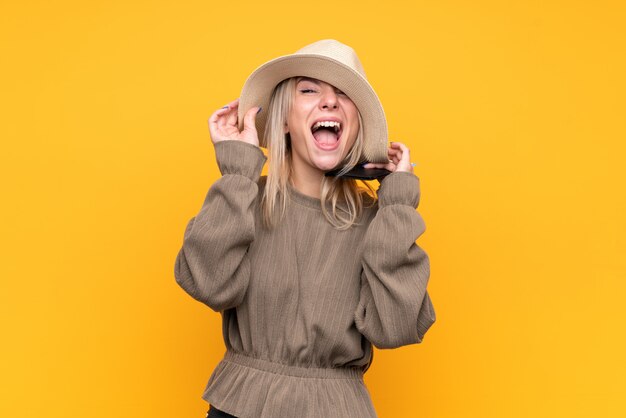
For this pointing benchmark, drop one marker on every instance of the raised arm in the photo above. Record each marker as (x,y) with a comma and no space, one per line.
(213,265)
(394,307)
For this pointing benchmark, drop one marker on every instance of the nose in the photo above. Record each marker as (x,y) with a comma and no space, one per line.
(329,99)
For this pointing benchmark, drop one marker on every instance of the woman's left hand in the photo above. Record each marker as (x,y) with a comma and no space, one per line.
(399,159)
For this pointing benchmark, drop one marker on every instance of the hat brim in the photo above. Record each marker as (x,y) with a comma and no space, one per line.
(260,84)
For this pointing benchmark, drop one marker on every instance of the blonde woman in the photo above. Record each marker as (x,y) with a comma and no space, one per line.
(309,266)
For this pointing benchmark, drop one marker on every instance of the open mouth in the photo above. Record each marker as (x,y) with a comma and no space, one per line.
(327,133)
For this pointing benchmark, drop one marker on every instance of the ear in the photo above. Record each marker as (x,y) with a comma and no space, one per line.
(286,128)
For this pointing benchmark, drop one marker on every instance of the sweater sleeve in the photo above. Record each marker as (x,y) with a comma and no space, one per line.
(394,307)
(213,266)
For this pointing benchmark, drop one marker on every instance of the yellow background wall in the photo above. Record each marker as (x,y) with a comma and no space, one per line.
(513,111)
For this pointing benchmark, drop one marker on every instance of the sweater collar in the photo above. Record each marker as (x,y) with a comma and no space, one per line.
(309,201)
(306,200)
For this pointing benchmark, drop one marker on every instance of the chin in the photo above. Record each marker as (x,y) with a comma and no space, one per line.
(326,164)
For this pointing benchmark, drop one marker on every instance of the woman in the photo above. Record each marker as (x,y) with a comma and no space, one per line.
(307,269)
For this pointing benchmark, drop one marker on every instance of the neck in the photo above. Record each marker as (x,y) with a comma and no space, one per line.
(307,179)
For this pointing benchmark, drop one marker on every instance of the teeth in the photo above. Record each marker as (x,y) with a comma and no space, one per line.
(327,124)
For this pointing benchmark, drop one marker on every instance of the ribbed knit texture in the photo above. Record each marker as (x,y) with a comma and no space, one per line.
(302,304)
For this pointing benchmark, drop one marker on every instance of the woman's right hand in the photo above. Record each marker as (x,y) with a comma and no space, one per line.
(223,124)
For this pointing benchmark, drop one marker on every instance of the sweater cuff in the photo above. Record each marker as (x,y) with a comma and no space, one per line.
(239,157)
(399,187)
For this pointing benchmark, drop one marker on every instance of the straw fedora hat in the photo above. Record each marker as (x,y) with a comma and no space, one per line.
(334,63)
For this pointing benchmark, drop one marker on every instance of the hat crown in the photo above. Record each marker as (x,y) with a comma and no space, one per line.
(330,61)
(335,50)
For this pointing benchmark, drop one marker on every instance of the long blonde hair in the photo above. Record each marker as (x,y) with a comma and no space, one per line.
(274,201)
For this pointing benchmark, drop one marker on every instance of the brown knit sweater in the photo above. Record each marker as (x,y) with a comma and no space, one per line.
(302,304)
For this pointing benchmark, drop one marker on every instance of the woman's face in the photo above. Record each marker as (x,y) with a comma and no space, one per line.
(321,149)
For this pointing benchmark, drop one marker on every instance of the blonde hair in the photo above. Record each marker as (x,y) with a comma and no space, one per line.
(274,201)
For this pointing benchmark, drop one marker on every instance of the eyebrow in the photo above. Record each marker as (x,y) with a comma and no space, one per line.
(312,80)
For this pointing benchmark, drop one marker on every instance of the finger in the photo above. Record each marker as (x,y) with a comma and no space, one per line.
(213,120)
(227,107)
(389,166)
(370,165)
(231,118)
(225,117)
(394,150)
(395,155)
(399,146)
(405,153)
(250,117)
(215,115)
(234,103)
(224,111)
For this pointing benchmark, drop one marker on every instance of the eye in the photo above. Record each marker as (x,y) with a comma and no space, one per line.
(307,90)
